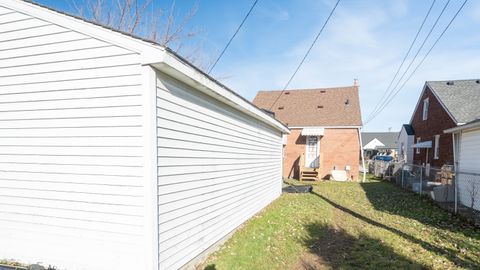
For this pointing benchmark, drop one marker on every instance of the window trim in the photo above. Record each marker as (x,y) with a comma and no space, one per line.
(417,151)
(436,151)
(426,105)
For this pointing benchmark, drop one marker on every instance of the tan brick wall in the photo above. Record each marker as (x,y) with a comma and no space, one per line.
(292,151)
(338,147)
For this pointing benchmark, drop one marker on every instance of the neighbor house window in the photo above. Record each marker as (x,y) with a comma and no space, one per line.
(425,109)
(437,147)
(418,149)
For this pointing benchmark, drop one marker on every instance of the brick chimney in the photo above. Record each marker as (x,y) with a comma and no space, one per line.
(355,82)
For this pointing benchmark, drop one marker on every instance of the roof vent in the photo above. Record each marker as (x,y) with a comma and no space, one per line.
(477,81)
(450,83)
(319,106)
(323,91)
(281,108)
(287,93)
(347,101)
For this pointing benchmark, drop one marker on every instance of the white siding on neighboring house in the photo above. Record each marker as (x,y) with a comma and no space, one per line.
(71,154)
(406,141)
(469,162)
(216,168)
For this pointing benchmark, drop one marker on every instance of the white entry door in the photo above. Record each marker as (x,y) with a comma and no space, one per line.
(312,152)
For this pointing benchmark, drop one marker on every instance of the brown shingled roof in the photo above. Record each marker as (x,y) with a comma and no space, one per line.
(339,106)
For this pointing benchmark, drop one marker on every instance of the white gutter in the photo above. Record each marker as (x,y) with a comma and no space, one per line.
(473,125)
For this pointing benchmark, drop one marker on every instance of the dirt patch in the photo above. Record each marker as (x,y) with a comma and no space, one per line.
(329,251)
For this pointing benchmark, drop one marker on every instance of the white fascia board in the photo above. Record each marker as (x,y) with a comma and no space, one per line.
(186,73)
(299,127)
(86,28)
(400,132)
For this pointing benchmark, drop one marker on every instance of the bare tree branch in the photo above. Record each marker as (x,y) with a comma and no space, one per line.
(134,17)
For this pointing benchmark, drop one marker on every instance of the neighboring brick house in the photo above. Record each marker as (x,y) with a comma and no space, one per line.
(442,105)
(324,125)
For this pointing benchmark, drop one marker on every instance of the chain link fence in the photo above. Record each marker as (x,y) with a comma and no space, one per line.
(458,192)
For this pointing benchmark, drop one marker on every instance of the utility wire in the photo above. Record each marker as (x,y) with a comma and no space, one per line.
(413,60)
(404,59)
(421,62)
(306,54)
(235,34)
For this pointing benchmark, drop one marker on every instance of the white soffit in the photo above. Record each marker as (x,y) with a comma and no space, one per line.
(313,131)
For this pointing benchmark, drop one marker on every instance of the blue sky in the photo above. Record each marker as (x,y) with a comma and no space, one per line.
(365,39)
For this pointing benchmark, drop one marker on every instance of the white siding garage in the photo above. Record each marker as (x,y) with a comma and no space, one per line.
(469,168)
(213,161)
(467,162)
(469,151)
(117,154)
(71,176)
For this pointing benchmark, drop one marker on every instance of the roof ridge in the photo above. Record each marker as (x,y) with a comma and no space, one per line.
(457,80)
(311,89)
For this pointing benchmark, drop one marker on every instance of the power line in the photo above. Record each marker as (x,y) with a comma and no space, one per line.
(306,54)
(404,59)
(421,62)
(235,34)
(413,59)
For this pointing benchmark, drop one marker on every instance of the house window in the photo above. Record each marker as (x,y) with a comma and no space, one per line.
(418,149)
(425,109)
(437,147)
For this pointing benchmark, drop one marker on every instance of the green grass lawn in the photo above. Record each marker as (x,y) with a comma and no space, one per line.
(373,225)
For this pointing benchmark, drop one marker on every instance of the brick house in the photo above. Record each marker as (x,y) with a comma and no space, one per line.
(442,105)
(325,125)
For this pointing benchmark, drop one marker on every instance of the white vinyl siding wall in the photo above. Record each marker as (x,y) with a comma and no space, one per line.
(71,157)
(216,168)
(468,162)
(408,141)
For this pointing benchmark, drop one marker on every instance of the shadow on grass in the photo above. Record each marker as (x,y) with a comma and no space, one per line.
(391,199)
(334,248)
(394,200)
(210,267)
(448,253)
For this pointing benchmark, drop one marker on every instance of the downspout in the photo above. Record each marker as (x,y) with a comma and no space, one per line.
(361,153)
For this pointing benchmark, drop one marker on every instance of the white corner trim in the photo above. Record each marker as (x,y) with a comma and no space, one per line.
(149,96)
(178,69)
